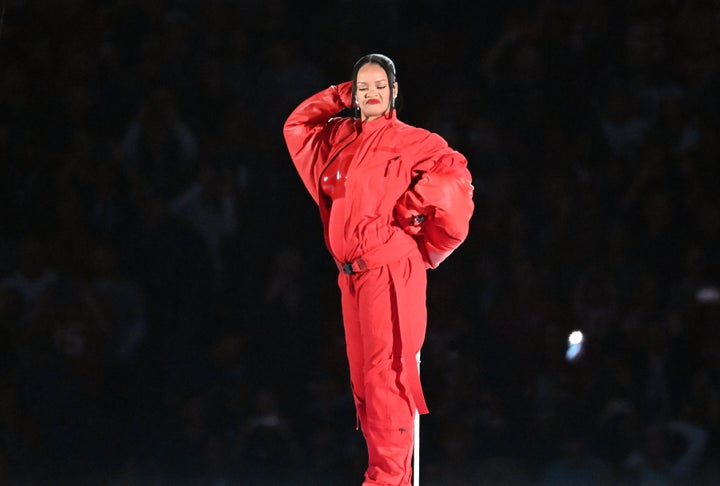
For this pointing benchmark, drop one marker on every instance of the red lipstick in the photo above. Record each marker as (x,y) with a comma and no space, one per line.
(372,102)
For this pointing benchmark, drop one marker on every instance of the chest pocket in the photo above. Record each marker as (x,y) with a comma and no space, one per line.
(389,169)
(392,168)
(388,159)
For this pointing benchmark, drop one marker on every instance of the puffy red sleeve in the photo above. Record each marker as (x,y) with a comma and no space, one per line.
(437,208)
(311,130)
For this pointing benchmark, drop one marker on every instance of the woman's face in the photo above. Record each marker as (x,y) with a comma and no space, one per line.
(372,93)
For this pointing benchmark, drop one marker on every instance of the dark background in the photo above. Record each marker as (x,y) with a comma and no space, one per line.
(168,311)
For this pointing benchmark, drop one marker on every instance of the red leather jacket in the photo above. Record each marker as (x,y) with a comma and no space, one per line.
(398,172)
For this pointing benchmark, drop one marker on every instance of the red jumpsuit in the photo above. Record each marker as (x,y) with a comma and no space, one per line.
(371,181)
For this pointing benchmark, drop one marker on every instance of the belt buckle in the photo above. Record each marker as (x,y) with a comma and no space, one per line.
(347,268)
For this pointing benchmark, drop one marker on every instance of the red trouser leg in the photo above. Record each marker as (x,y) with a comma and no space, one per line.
(384,314)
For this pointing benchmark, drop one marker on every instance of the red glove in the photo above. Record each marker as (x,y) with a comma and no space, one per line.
(344,91)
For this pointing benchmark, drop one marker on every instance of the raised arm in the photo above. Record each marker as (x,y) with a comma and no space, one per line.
(310,131)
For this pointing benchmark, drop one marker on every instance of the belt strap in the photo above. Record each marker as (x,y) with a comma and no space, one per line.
(398,247)
(356,266)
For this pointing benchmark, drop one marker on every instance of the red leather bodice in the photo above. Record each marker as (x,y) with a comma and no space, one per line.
(333,179)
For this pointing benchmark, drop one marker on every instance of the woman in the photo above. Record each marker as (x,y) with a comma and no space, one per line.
(394,200)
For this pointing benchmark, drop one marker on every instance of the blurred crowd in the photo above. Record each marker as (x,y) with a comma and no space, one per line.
(168,311)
